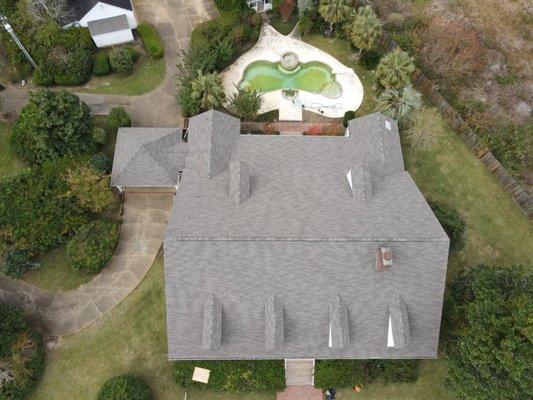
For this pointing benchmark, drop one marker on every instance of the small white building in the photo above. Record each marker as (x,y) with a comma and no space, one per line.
(260,5)
(109,21)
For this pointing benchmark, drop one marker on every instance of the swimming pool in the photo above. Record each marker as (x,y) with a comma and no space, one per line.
(314,77)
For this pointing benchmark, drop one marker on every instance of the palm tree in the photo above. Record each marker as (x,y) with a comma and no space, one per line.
(207,90)
(335,11)
(395,69)
(365,29)
(399,104)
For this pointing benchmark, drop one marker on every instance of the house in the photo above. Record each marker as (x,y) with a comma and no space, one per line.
(283,247)
(110,22)
(260,5)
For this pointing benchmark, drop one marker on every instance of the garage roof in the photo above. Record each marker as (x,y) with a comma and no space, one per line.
(108,25)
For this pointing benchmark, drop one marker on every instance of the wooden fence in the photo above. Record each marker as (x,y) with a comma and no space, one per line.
(518,192)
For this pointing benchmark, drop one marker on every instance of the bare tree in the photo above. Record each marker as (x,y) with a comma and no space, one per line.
(43,9)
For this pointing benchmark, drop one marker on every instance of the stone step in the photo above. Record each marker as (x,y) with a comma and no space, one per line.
(299,372)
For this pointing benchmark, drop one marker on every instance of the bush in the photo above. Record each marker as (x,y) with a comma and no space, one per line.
(245,104)
(394,69)
(73,68)
(17,262)
(349,373)
(122,59)
(427,124)
(399,104)
(53,124)
(35,214)
(234,376)
(231,5)
(43,77)
(348,116)
(100,162)
(88,187)
(151,39)
(369,59)
(118,118)
(11,325)
(452,224)
(489,312)
(92,246)
(22,355)
(99,135)
(101,64)
(125,387)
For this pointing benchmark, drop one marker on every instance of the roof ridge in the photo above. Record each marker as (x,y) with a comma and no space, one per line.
(307,239)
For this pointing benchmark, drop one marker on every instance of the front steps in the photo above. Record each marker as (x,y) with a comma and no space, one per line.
(299,372)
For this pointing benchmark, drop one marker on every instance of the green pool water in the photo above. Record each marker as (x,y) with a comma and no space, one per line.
(314,77)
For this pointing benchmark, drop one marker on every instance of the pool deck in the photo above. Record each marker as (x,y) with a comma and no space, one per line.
(270,46)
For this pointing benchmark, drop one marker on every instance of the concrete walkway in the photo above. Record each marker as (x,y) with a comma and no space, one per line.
(174,20)
(141,234)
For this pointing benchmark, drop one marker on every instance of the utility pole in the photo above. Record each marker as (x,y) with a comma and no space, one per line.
(9,29)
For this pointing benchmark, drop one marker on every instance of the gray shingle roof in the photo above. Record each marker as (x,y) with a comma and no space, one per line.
(108,25)
(296,259)
(147,157)
(80,8)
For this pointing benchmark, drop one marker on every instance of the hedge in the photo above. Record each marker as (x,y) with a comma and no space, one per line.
(234,376)
(118,118)
(93,245)
(125,387)
(101,64)
(151,39)
(349,373)
(122,59)
(452,224)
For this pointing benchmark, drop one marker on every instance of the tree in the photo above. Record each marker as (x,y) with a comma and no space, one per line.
(335,11)
(207,90)
(17,262)
(286,9)
(365,29)
(40,10)
(399,104)
(54,124)
(89,187)
(11,324)
(395,69)
(245,103)
(491,351)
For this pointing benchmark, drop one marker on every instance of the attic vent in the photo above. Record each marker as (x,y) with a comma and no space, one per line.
(384,259)
(388,125)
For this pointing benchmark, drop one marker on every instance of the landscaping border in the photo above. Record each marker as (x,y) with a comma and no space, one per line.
(518,192)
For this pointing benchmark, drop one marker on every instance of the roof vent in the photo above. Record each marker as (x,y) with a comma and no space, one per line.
(212,323)
(384,259)
(239,182)
(388,125)
(399,333)
(360,183)
(273,324)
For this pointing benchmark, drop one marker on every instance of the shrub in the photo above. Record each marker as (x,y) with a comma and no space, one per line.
(89,187)
(21,355)
(73,68)
(489,310)
(369,59)
(17,262)
(53,124)
(151,40)
(348,116)
(99,135)
(100,162)
(92,246)
(207,91)
(125,387)
(11,325)
(394,69)
(349,373)
(452,224)
(43,76)
(35,214)
(245,103)
(426,126)
(122,59)
(101,64)
(230,5)
(234,376)
(286,8)
(118,118)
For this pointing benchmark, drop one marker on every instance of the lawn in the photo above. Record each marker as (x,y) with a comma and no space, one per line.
(342,51)
(131,338)
(282,27)
(9,163)
(147,76)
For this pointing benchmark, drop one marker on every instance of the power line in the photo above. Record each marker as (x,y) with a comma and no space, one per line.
(9,29)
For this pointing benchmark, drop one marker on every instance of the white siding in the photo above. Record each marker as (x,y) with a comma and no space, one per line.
(113,38)
(102,10)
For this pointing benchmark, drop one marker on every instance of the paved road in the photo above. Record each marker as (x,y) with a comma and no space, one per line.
(174,20)
(141,234)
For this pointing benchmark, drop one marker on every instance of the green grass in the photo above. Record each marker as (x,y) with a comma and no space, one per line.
(147,76)
(55,273)
(9,163)
(131,338)
(342,51)
(282,27)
